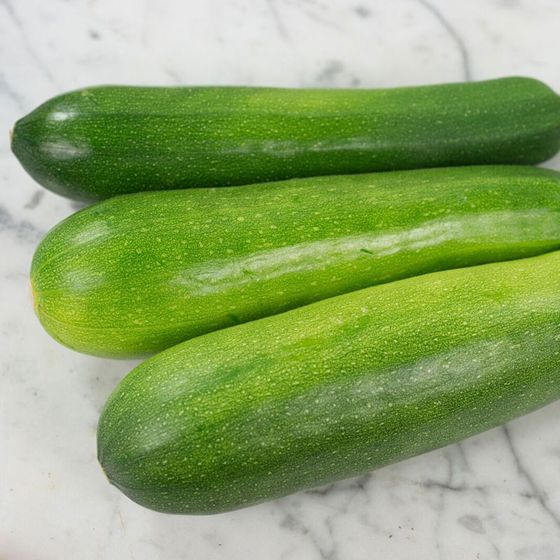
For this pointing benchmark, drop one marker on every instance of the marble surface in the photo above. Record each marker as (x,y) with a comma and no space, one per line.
(496,495)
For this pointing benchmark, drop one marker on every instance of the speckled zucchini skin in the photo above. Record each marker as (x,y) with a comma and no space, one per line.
(139,273)
(103,141)
(336,388)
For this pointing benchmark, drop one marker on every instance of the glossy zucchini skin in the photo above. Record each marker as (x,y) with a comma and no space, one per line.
(139,273)
(336,388)
(107,140)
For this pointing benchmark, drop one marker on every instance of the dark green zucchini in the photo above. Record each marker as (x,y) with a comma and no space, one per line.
(139,273)
(336,388)
(102,141)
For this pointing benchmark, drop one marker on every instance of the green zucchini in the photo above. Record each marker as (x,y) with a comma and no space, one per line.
(139,273)
(102,141)
(336,388)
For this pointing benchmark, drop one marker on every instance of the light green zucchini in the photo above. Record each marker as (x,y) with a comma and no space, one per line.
(139,273)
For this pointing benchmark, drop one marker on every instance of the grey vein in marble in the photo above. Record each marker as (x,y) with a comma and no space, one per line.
(453,34)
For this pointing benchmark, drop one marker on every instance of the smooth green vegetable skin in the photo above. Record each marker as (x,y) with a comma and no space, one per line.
(336,388)
(102,141)
(140,273)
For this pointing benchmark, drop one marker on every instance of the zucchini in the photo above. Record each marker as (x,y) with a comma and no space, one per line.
(336,388)
(102,141)
(139,273)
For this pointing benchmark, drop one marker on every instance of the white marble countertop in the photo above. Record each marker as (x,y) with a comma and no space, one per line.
(496,495)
